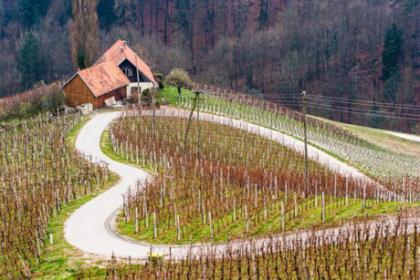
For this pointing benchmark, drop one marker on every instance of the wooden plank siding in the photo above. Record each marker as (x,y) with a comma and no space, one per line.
(77,93)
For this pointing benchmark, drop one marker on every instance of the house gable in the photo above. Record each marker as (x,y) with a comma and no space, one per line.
(130,71)
(120,52)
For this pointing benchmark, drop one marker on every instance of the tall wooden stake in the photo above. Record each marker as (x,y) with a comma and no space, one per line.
(153,93)
(138,80)
(197,94)
(306,143)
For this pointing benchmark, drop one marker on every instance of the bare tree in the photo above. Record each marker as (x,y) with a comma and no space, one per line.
(84,33)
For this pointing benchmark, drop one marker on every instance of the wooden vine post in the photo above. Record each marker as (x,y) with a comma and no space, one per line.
(196,100)
(306,184)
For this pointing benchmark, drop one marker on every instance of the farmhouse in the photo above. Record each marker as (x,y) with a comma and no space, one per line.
(116,74)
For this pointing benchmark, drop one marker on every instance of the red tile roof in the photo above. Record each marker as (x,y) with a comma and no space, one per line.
(103,78)
(120,52)
(106,76)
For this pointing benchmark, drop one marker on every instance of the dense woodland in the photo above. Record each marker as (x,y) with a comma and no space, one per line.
(359,60)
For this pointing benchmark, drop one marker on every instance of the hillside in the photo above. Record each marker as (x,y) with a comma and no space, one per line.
(236,177)
(360,50)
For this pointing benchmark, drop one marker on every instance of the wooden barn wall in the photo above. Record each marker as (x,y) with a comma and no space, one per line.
(77,93)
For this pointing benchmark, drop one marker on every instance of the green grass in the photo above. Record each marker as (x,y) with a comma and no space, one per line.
(170,94)
(379,137)
(307,219)
(74,132)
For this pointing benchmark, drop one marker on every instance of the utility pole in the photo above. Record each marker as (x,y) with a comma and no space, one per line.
(306,184)
(197,96)
(153,94)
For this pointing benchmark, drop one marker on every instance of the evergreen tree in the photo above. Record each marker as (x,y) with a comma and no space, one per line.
(30,63)
(183,16)
(392,52)
(31,12)
(106,13)
(263,18)
(390,60)
(28,12)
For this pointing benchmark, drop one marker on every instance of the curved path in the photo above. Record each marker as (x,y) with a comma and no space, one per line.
(89,227)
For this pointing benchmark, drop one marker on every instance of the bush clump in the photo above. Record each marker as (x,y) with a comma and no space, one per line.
(179,78)
(42,98)
(147,97)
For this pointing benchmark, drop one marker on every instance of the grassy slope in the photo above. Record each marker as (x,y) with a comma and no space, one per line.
(60,260)
(234,230)
(379,137)
(229,230)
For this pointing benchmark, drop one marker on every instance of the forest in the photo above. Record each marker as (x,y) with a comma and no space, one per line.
(359,60)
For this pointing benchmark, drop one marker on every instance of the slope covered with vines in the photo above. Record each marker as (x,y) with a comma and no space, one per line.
(39,173)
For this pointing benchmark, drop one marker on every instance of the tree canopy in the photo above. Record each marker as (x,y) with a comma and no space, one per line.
(31,65)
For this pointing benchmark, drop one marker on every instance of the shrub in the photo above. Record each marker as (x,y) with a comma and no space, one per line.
(42,98)
(147,96)
(133,98)
(179,77)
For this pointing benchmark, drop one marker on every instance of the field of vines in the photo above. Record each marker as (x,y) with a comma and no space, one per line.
(39,173)
(222,183)
(383,255)
(397,170)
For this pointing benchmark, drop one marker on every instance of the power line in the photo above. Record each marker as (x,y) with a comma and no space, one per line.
(364,113)
(363,102)
(350,110)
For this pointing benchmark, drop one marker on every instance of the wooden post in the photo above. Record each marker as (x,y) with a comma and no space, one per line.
(347,191)
(306,183)
(154,226)
(138,80)
(197,94)
(178,230)
(211,227)
(282,216)
(323,207)
(136,227)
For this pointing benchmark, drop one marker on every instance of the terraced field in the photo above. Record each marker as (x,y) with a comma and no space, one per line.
(392,167)
(228,184)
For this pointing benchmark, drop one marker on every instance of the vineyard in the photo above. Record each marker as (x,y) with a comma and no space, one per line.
(39,174)
(213,184)
(385,256)
(390,167)
(221,184)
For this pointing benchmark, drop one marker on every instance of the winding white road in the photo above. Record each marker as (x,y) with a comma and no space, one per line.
(89,227)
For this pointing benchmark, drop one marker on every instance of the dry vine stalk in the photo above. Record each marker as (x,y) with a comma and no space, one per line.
(39,174)
(239,179)
(389,167)
(383,256)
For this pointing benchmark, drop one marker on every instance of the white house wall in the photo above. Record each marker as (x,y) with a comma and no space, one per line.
(143,87)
